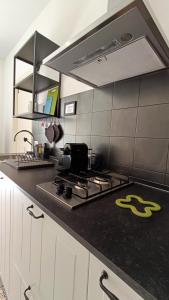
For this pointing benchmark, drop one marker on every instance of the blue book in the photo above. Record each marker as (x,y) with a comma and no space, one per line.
(48,105)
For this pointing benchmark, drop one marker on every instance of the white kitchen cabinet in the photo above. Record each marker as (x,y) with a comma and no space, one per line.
(6,187)
(7,196)
(112,283)
(49,240)
(2,225)
(45,257)
(26,236)
(37,220)
(26,291)
(15,291)
(71,268)
(16,244)
(26,244)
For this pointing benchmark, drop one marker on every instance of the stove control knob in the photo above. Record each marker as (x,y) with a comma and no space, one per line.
(60,189)
(68,193)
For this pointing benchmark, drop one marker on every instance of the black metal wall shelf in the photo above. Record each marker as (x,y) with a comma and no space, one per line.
(33,52)
(32,116)
(42,83)
(39,44)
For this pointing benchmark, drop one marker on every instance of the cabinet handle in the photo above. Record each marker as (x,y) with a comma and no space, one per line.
(103,276)
(28,289)
(32,214)
(1,177)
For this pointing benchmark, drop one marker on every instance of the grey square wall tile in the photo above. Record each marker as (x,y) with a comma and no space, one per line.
(148,175)
(100,146)
(70,125)
(153,121)
(103,99)
(66,100)
(100,143)
(41,138)
(42,125)
(123,122)
(168,162)
(60,144)
(62,122)
(121,169)
(85,102)
(121,151)
(166,181)
(35,127)
(83,139)
(84,124)
(151,154)
(126,93)
(69,139)
(154,88)
(101,123)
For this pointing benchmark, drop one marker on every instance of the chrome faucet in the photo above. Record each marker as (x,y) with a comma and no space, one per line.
(25,139)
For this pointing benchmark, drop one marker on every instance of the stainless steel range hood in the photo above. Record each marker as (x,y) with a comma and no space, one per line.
(116,47)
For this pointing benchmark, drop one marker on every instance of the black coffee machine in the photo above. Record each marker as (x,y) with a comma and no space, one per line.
(74,157)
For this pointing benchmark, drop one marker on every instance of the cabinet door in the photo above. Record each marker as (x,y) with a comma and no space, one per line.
(49,239)
(15,290)
(26,236)
(5,231)
(2,231)
(113,283)
(7,197)
(29,238)
(26,291)
(17,226)
(37,220)
(16,238)
(71,268)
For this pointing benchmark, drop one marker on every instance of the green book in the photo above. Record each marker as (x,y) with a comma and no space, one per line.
(54,94)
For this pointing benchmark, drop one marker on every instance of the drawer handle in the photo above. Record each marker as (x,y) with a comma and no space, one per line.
(28,289)
(32,214)
(1,177)
(103,276)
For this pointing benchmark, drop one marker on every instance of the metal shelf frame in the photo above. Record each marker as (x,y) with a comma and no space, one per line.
(33,52)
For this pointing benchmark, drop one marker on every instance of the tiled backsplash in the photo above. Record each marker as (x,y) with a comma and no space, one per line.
(126,124)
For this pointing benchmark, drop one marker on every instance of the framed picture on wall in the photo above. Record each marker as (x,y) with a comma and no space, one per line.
(70,108)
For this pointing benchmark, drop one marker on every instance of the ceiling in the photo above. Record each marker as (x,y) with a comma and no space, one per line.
(15,18)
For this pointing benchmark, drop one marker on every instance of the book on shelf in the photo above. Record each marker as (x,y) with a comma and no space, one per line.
(54,94)
(48,105)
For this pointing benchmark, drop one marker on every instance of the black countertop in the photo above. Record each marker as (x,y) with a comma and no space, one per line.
(134,248)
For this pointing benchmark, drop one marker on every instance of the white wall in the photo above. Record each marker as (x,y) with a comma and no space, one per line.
(1,101)
(59,21)
(159,11)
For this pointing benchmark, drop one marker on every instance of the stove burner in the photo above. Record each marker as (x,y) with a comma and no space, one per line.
(100,180)
(83,184)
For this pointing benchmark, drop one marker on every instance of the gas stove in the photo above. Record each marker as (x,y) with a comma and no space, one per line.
(73,190)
